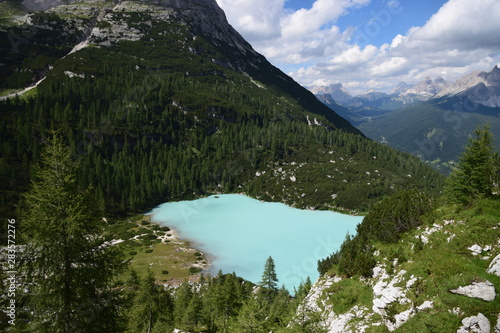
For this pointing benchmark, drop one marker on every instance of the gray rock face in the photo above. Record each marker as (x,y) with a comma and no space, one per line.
(480,87)
(475,324)
(481,290)
(205,16)
(208,18)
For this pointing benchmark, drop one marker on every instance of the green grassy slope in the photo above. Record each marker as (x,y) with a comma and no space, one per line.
(421,269)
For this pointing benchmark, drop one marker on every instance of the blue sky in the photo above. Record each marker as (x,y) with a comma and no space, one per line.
(382,22)
(376,18)
(370,44)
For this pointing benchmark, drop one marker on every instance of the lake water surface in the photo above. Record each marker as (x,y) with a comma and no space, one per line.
(240,233)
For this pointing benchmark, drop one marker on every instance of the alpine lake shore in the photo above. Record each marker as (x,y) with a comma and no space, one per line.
(171,259)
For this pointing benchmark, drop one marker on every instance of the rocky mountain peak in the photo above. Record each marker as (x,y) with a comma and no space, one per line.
(336,90)
(480,87)
(203,16)
(400,88)
(209,18)
(427,87)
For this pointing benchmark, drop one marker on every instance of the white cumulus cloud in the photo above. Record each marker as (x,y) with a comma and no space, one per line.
(462,25)
(389,67)
(463,35)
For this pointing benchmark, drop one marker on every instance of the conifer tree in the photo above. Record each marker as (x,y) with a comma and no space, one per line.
(193,314)
(152,306)
(303,288)
(183,297)
(477,171)
(252,315)
(269,278)
(69,267)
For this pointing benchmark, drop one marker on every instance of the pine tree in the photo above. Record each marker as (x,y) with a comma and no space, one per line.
(269,278)
(192,315)
(281,311)
(477,171)
(252,315)
(151,306)
(68,266)
(303,288)
(183,297)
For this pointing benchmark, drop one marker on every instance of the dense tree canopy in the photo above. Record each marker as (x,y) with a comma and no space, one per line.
(386,222)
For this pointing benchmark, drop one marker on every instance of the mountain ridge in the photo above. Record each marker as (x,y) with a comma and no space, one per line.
(480,87)
(433,128)
(207,19)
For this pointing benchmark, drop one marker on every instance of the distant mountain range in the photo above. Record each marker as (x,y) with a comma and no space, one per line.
(432,119)
(480,87)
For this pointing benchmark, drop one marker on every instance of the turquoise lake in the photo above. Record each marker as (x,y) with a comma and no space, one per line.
(239,233)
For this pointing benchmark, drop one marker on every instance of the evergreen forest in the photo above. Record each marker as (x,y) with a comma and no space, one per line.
(166,104)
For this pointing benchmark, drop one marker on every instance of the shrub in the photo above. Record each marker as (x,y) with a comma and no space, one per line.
(194,270)
(132,253)
(164,272)
(149,250)
(165,228)
(356,257)
(149,237)
(136,218)
(125,235)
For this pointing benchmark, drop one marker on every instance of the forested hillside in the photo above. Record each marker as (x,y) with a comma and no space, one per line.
(141,102)
(435,130)
(177,110)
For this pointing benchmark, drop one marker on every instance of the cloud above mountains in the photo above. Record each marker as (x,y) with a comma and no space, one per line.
(463,35)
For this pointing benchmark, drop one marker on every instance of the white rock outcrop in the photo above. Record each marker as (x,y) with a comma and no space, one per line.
(475,249)
(494,267)
(385,292)
(482,290)
(475,324)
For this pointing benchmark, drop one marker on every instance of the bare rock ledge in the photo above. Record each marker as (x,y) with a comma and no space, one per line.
(482,290)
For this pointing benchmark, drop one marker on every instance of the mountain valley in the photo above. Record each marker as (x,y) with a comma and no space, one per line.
(432,119)
(109,108)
